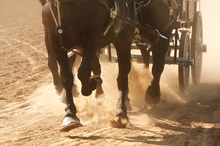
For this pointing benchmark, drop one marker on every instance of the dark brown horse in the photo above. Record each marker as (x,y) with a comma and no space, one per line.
(161,15)
(88,26)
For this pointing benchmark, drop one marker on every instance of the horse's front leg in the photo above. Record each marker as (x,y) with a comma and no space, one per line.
(152,95)
(74,88)
(84,72)
(52,64)
(123,52)
(70,120)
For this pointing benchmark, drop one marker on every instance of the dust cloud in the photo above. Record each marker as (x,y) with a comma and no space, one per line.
(211,31)
(209,88)
(31,112)
(90,111)
(210,79)
(140,77)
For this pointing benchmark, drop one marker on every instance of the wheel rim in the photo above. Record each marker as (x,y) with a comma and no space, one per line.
(185,52)
(197,40)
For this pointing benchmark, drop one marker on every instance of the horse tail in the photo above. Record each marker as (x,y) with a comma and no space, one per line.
(43,2)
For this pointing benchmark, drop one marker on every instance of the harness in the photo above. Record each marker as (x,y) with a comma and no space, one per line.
(113,15)
(130,22)
(171,4)
(59,29)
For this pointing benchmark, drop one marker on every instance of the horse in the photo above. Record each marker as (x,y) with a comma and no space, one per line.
(87,26)
(160,15)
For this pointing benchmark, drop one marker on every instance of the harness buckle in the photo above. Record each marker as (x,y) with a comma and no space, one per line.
(113,14)
(171,11)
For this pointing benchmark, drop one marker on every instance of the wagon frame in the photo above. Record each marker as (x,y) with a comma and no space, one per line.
(186,44)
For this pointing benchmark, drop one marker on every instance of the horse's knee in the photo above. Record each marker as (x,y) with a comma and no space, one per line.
(67,81)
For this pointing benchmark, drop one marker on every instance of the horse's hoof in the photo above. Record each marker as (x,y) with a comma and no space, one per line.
(128,105)
(70,123)
(119,122)
(86,91)
(151,98)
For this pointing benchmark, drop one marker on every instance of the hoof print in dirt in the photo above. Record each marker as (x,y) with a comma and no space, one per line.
(152,97)
(70,123)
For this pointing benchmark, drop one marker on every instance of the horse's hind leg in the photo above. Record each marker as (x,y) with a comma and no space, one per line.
(159,51)
(52,64)
(96,69)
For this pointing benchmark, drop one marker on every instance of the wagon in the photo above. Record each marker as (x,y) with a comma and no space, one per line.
(186,44)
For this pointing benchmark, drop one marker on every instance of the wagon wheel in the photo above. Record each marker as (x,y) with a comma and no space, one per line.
(184,69)
(197,40)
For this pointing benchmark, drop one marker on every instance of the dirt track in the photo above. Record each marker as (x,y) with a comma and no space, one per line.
(31,112)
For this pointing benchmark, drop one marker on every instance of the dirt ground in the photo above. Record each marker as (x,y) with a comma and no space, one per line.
(31,113)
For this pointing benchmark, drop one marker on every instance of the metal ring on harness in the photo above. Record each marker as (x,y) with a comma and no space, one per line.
(59,30)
